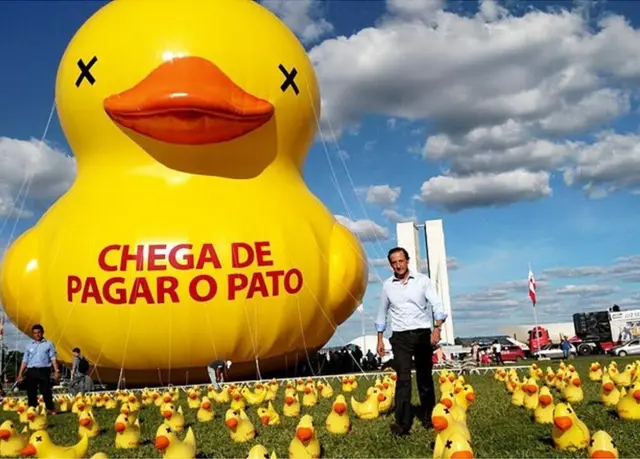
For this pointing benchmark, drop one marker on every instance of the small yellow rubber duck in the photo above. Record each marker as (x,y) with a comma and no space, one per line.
(168,442)
(205,412)
(338,421)
(37,418)
(240,427)
(305,444)
(449,401)
(573,392)
(193,400)
(173,417)
(628,407)
(530,389)
(456,447)
(370,408)
(127,432)
(543,413)
(260,452)
(268,416)
(11,441)
(291,406)
(445,426)
(602,446)
(88,425)
(569,433)
(609,393)
(595,371)
(310,397)
(40,445)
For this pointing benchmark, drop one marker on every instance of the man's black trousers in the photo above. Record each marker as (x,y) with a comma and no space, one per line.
(406,345)
(39,378)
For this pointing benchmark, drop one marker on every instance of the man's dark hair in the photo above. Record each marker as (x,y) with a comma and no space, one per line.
(76,349)
(397,249)
(37,327)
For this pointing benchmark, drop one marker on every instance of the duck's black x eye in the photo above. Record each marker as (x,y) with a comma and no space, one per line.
(289,78)
(85,71)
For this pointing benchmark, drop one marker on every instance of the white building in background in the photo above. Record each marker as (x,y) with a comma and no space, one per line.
(409,238)
(556,331)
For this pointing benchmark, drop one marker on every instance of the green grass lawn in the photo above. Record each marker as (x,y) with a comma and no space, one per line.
(498,429)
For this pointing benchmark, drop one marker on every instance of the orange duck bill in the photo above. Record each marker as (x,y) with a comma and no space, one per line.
(188,101)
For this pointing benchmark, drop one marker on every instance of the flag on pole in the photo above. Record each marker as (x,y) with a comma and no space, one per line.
(532,288)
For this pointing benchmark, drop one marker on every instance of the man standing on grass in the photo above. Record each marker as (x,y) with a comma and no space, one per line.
(39,356)
(406,297)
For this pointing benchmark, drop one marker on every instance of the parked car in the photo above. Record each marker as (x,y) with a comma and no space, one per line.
(553,351)
(511,354)
(629,348)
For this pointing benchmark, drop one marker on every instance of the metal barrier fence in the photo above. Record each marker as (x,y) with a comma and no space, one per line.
(281,381)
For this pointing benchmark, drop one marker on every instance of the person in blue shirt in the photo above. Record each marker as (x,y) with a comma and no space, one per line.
(406,297)
(565,346)
(35,371)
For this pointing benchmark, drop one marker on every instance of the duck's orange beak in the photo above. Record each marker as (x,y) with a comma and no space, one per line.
(447,402)
(471,396)
(5,434)
(563,423)
(339,407)
(84,422)
(462,455)
(120,427)
(265,420)
(231,423)
(304,433)
(162,442)
(28,450)
(206,405)
(602,454)
(188,101)
(545,400)
(439,423)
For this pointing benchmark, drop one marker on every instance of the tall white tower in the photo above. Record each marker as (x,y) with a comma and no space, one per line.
(408,238)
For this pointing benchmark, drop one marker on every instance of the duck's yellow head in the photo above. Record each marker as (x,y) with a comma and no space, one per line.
(563,416)
(545,398)
(165,435)
(602,446)
(232,418)
(305,429)
(38,441)
(219,87)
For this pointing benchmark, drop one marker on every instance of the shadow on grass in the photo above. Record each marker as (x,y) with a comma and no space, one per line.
(546,440)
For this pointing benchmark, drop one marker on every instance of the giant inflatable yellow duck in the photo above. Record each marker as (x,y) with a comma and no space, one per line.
(189,213)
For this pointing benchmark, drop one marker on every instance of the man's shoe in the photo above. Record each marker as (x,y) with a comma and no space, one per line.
(399,431)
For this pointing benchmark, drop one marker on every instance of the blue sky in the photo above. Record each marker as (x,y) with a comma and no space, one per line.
(522,140)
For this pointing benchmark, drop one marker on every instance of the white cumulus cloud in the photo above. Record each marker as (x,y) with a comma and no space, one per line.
(506,95)
(365,230)
(39,170)
(304,17)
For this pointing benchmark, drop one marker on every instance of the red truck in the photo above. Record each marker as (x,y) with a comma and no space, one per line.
(538,338)
(595,332)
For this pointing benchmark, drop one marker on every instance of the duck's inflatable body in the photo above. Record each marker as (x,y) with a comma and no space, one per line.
(189,234)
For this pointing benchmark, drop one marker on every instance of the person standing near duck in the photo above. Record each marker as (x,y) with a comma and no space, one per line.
(39,357)
(406,297)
